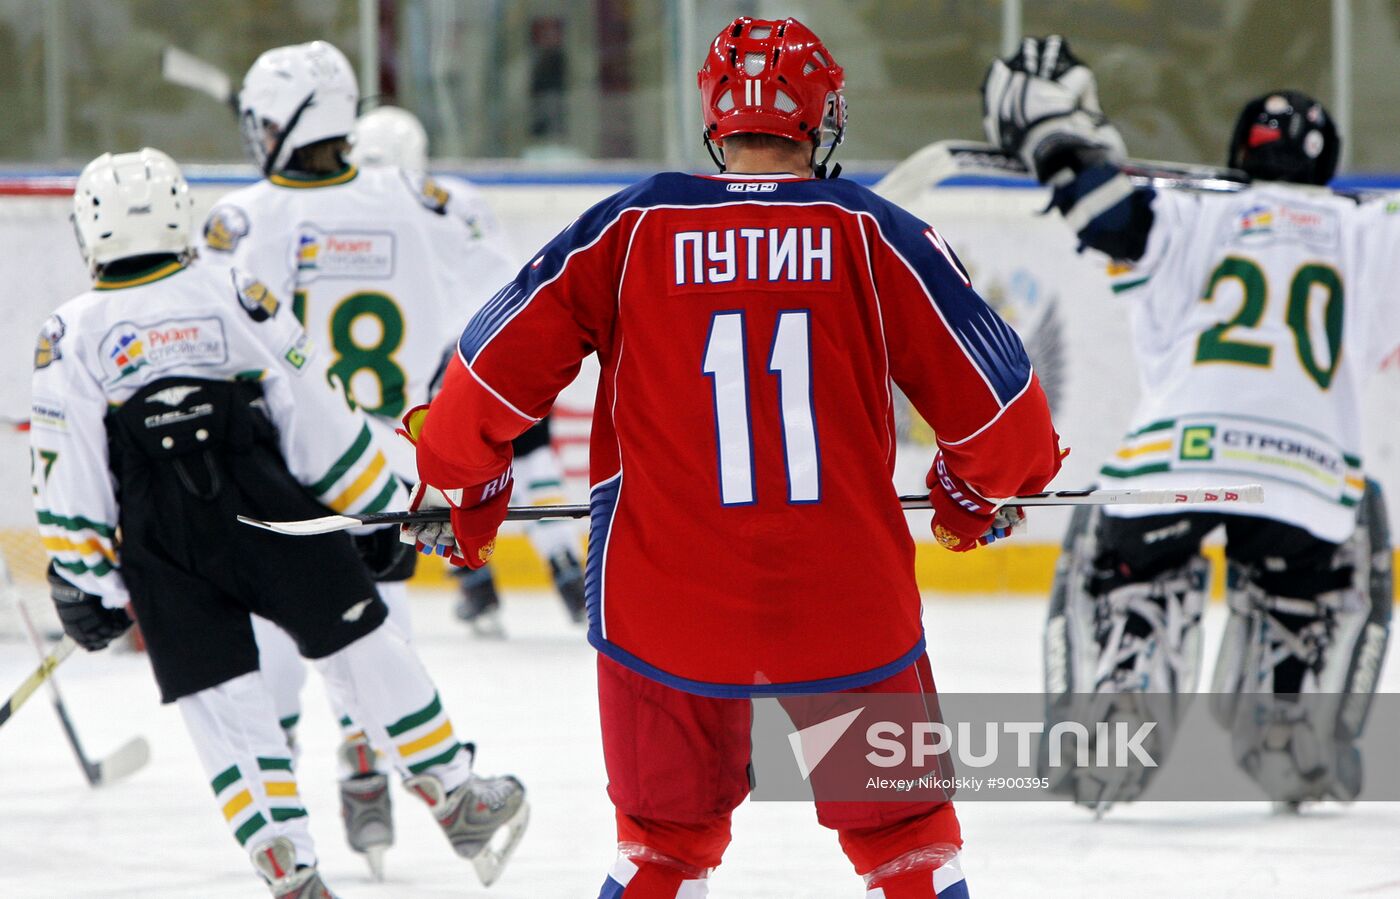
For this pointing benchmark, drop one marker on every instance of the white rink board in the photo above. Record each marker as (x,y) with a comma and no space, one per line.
(1023,262)
(530,704)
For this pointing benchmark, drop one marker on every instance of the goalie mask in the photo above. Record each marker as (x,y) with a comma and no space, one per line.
(771,77)
(131,204)
(1286,136)
(295,96)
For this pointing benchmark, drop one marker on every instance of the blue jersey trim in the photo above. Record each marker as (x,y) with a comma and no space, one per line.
(602,506)
(611,889)
(990,343)
(748,691)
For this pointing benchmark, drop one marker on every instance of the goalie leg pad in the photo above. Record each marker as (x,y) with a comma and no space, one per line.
(1123,640)
(1295,675)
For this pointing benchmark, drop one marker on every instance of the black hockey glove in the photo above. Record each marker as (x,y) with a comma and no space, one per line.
(84,617)
(386,557)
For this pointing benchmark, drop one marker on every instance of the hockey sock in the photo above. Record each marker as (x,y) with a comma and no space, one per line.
(932,872)
(245,756)
(644,873)
(381,684)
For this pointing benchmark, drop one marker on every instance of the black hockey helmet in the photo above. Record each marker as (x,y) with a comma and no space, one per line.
(1285,136)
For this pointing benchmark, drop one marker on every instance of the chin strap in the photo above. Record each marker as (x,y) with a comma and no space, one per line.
(819,169)
(717,155)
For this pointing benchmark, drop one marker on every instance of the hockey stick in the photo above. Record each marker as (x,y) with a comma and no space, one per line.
(127,759)
(31,683)
(948,160)
(188,70)
(1246,493)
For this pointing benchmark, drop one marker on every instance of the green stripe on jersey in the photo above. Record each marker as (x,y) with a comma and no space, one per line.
(1165,424)
(1154,468)
(385,496)
(267,764)
(418,718)
(75,523)
(1123,286)
(97,570)
(343,464)
(286,814)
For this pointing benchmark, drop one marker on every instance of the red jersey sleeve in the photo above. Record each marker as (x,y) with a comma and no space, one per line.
(961,366)
(557,310)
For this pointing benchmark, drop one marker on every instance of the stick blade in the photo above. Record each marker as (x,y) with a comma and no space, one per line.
(188,70)
(124,762)
(308,528)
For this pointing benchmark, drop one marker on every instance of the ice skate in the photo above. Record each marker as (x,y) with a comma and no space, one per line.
(480,606)
(365,806)
(276,861)
(568,580)
(476,812)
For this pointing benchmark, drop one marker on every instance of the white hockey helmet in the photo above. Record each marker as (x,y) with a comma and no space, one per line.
(391,136)
(131,204)
(294,96)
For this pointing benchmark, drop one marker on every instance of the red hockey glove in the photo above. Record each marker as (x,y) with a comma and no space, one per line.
(469,538)
(963,520)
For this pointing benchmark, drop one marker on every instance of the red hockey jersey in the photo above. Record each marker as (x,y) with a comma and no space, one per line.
(745,536)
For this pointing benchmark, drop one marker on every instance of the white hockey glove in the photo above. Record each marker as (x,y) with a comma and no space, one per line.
(1041,101)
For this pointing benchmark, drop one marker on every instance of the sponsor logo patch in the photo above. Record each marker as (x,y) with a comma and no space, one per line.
(297,354)
(434,196)
(343,254)
(46,350)
(47,414)
(256,299)
(1197,443)
(1262,224)
(227,225)
(173,343)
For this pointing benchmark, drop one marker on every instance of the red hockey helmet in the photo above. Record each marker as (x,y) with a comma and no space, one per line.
(768,77)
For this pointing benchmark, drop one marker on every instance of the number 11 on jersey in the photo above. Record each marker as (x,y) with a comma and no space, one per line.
(790,361)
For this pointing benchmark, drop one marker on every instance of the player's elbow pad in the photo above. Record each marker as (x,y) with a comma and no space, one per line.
(1106,211)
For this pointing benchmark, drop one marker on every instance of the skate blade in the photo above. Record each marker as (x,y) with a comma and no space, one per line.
(488,626)
(491,860)
(374,857)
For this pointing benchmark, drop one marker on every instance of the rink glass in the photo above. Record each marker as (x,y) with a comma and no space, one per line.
(568,84)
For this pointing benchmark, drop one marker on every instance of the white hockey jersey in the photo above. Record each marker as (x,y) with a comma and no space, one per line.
(383,267)
(1258,317)
(202,320)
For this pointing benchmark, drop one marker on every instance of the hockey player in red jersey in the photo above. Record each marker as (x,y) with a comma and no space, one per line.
(749,326)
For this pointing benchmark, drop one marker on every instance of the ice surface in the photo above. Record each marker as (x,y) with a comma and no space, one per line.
(529,704)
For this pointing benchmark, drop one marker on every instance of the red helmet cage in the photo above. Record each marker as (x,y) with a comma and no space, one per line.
(769,77)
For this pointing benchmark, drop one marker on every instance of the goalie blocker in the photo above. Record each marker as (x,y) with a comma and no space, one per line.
(1306,617)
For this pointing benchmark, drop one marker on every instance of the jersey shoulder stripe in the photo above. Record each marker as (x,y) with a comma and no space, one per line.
(582,233)
(987,341)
